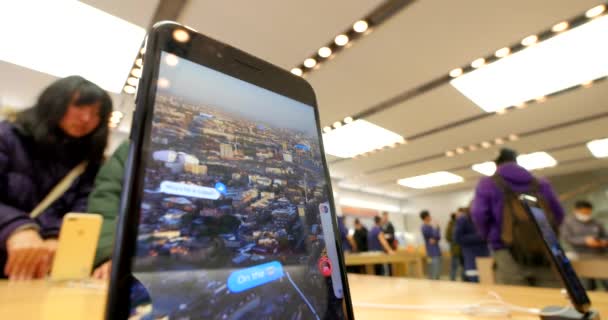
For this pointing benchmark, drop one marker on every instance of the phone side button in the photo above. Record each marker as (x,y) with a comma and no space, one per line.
(133,123)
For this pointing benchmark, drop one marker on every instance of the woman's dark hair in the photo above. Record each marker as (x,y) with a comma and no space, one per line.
(41,121)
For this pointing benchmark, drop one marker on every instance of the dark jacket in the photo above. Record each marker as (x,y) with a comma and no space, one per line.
(487,207)
(471,243)
(105,200)
(455,250)
(27,175)
(574,233)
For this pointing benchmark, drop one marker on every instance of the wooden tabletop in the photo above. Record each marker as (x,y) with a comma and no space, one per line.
(48,301)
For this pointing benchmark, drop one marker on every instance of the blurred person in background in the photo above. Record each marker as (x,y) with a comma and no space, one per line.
(376,241)
(471,244)
(360,236)
(586,236)
(432,234)
(389,233)
(105,200)
(65,130)
(516,247)
(455,251)
(389,230)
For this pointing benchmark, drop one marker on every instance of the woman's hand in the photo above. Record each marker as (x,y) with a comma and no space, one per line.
(29,256)
(103,271)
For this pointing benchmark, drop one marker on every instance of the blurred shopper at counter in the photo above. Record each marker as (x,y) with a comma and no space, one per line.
(517,249)
(60,139)
(586,236)
(455,250)
(389,231)
(432,235)
(471,244)
(360,236)
(376,241)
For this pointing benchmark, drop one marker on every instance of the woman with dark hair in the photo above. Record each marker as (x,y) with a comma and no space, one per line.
(67,128)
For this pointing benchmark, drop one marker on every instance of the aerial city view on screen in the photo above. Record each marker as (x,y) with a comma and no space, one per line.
(230,225)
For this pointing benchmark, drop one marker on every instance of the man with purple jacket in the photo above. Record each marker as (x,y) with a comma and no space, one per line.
(431,234)
(487,211)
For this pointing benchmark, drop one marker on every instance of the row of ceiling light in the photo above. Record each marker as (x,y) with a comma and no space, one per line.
(115,118)
(327,52)
(531,161)
(131,84)
(482,145)
(483,81)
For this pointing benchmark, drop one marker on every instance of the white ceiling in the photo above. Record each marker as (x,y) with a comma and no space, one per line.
(422,42)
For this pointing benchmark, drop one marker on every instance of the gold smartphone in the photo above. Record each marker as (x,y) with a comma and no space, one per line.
(76,246)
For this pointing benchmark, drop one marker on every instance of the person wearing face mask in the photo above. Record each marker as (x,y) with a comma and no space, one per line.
(586,236)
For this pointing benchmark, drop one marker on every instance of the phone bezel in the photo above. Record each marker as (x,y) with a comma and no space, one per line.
(220,57)
(582,304)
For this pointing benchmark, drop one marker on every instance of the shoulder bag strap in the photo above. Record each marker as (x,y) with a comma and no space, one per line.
(59,189)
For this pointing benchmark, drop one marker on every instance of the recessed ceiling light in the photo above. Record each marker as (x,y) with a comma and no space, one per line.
(181,35)
(358,137)
(139,62)
(536,160)
(449,153)
(129,89)
(499,141)
(486,144)
(486,168)
(587,84)
(563,61)
(360,26)
(599,148)
(297,71)
(460,150)
(478,63)
(324,52)
(117,114)
(348,120)
(136,72)
(62,38)
(430,180)
(503,52)
(132,81)
(501,111)
(513,137)
(529,40)
(456,72)
(541,99)
(337,124)
(595,11)
(473,147)
(560,26)
(142,51)
(310,63)
(341,40)
(326,129)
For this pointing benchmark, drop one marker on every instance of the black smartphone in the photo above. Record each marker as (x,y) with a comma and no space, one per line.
(559,261)
(227,209)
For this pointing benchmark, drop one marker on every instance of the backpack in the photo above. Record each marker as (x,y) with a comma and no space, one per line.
(519,232)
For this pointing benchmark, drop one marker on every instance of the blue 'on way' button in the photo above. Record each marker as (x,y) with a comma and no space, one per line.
(251,277)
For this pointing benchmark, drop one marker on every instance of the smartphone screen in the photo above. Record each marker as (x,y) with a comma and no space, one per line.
(230,221)
(562,263)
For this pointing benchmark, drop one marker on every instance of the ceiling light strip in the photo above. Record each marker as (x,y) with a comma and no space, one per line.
(345,39)
(503,52)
